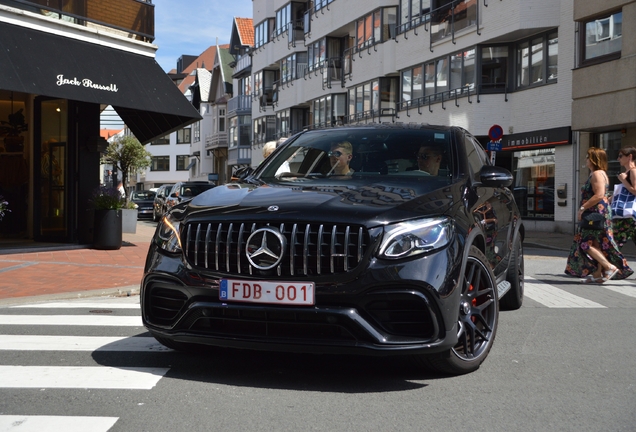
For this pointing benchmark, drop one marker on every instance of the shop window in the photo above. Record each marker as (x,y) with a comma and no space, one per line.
(611,142)
(534,183)
(602,39)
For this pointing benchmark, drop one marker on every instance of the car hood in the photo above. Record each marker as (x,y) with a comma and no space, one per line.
(361,202)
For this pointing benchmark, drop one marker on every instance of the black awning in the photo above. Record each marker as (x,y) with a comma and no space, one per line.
(46,64)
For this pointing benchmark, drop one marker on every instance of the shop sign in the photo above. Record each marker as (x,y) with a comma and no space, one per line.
(542,138)
(85,82)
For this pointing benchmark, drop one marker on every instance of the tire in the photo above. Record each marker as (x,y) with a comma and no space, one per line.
(477,320)
(513,299)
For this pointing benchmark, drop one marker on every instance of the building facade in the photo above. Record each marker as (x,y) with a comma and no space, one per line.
(484,65)
(61,64)
(604,80)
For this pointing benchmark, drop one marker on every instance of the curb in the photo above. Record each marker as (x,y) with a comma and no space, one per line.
(126,291)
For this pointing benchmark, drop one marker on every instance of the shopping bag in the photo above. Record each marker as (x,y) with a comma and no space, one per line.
(623,203)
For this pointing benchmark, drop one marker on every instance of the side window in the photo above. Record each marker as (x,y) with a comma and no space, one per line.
(476,155)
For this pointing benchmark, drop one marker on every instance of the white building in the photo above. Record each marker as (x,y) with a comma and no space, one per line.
(470,63)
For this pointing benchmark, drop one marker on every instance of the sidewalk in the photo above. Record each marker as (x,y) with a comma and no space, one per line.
(84,272)
(76,272)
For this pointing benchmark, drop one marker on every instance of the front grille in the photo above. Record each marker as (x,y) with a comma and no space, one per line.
(312,249)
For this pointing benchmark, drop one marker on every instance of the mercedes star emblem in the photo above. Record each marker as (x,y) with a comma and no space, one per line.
(265,248)
(272,208)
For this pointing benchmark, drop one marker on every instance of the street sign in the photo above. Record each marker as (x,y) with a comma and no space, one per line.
(495,133)
(494,146)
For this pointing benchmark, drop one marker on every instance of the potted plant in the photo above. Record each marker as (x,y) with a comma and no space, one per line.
(12,130)
(107,222)
(129,157)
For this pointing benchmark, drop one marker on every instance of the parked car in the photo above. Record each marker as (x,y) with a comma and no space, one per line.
(144,200)
(354,249)
(183,191)
(159,207)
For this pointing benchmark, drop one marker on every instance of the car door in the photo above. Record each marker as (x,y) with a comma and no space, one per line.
(492,209)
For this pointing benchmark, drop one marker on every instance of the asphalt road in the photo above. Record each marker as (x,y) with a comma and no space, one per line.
(565,361)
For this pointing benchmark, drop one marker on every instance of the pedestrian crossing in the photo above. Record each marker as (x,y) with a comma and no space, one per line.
(37,340)
(38,333)
(551,296)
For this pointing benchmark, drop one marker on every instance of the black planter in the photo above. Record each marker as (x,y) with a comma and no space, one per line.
(107,230)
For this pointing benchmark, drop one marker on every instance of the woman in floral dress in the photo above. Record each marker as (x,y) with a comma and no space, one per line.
(594,255)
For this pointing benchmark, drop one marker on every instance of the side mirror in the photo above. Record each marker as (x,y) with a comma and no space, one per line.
(494,176)
(243,173)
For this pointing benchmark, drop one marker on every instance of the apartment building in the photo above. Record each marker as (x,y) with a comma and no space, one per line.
(475,64)
(604,79)
(61,64)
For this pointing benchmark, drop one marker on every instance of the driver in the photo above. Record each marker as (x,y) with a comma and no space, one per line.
(429,159)
(340,156)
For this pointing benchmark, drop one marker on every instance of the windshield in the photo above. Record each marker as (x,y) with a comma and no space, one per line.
(143,195)
(341,154)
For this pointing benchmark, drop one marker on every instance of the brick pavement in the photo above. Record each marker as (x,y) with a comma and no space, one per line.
(76,272)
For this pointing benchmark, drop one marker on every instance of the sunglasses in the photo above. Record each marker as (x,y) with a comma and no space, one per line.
(335,153)
(423,156)
(620,155)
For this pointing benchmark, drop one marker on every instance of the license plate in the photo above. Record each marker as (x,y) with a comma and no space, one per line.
(290,293)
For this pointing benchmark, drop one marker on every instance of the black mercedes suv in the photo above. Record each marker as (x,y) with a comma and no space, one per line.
(375,239)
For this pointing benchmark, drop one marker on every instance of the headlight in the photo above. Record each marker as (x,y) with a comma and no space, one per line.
(406,239)
(167,237)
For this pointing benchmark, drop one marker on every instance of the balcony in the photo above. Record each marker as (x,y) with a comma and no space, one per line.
(136,17)
(216,140)
(239,105)
(243,63)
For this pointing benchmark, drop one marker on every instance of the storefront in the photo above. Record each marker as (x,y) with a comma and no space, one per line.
(532,158)
(56,87)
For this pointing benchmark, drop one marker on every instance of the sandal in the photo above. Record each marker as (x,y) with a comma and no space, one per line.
(609,274)
(590,279)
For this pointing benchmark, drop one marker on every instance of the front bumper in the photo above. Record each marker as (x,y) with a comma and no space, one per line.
(386,308)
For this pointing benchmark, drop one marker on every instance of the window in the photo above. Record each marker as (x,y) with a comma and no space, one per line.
(261,34)
(183,136)
(282,122)
(161,141)
(450,16)
(283,18)
(373,98)
(264,129)
(245,85)
(448,73)
(603,38)
(160,163)
(494,68)
(182,162)
(534,58)
(413,12)
(293,67)
(221,120)
(316,54)
(196,131)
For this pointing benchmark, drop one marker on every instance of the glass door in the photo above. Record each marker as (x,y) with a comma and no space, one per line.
(52,224)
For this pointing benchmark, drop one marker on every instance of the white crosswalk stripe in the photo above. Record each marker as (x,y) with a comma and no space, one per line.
(55,423)
(554,297)
(67,320)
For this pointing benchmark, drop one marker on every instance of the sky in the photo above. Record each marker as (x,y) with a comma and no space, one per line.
(187,27)
(190,27)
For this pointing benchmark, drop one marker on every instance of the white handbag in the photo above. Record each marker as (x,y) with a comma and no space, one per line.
(623,203)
